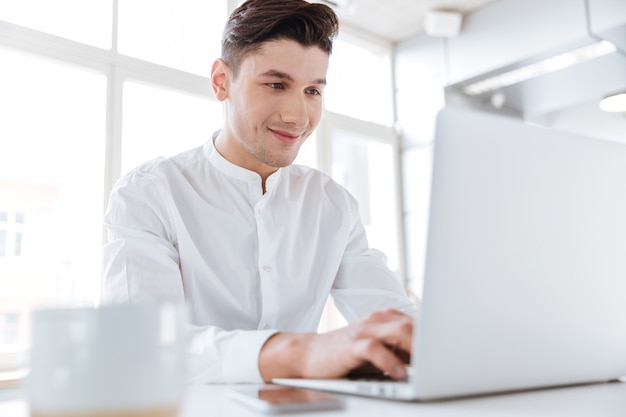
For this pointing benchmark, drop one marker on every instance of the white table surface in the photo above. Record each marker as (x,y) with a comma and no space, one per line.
(600,400)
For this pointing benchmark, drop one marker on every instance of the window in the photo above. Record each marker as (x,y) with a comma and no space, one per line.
(161,122)
(360,81)
(364,162)
(3,243)
(86,97)
(358,146)
(82,21)
(361,148)
(308,155)
(418,174)
(365,166)
(10,329)
(17,248)
(51,178)
(182,34)
(11,226)
(65,90)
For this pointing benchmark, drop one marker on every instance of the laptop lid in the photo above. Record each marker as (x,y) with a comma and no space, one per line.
(525,278)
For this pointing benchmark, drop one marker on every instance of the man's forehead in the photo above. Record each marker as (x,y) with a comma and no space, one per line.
(288,60)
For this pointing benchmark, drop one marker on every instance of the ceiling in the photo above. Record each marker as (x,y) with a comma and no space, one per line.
(397,20)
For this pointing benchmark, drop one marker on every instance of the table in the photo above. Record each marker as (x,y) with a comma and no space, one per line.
(598,400)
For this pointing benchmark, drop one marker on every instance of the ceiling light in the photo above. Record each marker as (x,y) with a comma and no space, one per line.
(614,103)
(442,24)
(546,66)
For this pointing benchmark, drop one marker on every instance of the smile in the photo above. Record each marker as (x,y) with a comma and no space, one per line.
(285,136)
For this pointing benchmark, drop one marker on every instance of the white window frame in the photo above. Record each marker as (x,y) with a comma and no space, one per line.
(388,135)
(118,68)
(12,229)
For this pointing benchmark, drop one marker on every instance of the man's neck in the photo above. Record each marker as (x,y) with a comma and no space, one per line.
(221,146)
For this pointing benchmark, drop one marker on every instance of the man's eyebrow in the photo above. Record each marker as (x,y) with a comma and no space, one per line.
(284,76)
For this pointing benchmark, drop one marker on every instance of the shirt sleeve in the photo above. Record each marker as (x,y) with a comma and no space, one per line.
(141,264)
(364,283)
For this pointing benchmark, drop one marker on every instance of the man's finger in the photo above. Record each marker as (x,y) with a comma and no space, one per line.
(376,353)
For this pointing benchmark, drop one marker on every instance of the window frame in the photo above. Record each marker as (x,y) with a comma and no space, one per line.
(118,69)
(373,131)
(13,232)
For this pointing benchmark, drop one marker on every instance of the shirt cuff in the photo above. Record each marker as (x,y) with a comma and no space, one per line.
(241,360)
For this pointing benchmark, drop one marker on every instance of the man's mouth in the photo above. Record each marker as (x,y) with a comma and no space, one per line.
(286,136)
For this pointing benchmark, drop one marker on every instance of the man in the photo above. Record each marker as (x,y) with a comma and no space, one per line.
(252,244)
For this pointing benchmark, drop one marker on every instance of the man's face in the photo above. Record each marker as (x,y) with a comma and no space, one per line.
(273,105)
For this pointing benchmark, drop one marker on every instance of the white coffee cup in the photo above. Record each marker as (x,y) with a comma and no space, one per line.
(108,361)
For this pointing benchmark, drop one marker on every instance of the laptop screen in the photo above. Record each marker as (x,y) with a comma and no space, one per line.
(525,278)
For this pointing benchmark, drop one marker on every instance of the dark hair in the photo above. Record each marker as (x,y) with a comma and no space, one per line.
(259,21)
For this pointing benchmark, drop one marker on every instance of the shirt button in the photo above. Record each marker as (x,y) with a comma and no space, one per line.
(267,268)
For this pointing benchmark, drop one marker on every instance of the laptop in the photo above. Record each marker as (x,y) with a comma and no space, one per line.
(525,276)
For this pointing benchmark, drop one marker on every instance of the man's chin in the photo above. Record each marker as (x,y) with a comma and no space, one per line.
(283,162)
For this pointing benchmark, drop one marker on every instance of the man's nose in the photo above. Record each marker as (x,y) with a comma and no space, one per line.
(295,110)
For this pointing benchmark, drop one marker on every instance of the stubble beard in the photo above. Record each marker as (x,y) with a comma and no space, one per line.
(274,159)
(279,158)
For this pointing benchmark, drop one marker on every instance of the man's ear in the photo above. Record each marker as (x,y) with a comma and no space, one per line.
(220,78)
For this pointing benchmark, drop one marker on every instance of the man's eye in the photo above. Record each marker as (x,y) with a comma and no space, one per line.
(278,86)
(314,92)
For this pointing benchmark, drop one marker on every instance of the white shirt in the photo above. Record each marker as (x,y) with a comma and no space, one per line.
(198,229)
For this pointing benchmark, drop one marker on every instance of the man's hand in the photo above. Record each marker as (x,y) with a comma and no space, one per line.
(382,339)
